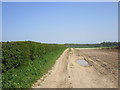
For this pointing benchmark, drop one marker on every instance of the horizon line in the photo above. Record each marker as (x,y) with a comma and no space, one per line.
(55,42)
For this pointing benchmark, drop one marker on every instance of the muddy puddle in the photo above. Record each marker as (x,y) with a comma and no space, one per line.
(82,62)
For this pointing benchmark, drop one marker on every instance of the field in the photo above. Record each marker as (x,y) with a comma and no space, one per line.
(29,64)
(25,62)
(102,71)
(97,45)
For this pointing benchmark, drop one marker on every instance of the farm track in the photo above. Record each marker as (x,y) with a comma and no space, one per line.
(66,73)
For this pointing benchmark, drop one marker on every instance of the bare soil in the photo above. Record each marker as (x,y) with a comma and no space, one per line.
(102,71)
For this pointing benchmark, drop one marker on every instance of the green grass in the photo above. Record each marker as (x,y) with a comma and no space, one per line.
(25,76)
(108,47)
(96,47)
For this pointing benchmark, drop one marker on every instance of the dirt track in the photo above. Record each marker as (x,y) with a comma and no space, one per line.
(66,73)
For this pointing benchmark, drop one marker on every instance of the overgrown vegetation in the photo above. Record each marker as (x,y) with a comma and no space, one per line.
(25,62)
(99,45)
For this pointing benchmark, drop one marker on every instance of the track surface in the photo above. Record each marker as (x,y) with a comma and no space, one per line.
(66,73)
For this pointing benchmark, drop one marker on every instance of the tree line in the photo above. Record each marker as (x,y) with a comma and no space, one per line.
(102,44)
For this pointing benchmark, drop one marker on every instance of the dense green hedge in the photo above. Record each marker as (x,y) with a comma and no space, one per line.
(15,54)
(24,62)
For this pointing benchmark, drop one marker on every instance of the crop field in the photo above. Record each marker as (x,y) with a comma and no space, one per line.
(25,62)
(101,71)
(97,45)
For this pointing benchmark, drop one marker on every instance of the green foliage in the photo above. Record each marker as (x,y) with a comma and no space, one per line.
(15,54)
(25,62)
(100,45)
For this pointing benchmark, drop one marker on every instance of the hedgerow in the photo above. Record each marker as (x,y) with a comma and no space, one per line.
(24,62)
(15,54)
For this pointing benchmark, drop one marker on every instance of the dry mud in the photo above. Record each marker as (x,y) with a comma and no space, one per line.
(102,71)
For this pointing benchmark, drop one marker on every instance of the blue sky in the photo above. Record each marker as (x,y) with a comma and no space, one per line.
(60,22)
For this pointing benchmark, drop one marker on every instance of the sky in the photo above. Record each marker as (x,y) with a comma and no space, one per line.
(60,22)
(60,0)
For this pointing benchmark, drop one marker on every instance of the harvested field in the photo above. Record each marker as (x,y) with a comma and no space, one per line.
(102,71)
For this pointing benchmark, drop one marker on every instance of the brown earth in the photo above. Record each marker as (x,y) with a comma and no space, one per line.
(66,73)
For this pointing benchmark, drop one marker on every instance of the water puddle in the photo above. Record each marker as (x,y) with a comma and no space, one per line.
(82,62)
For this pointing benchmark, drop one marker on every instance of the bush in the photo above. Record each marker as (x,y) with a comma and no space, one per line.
(15,54)
(25,62)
